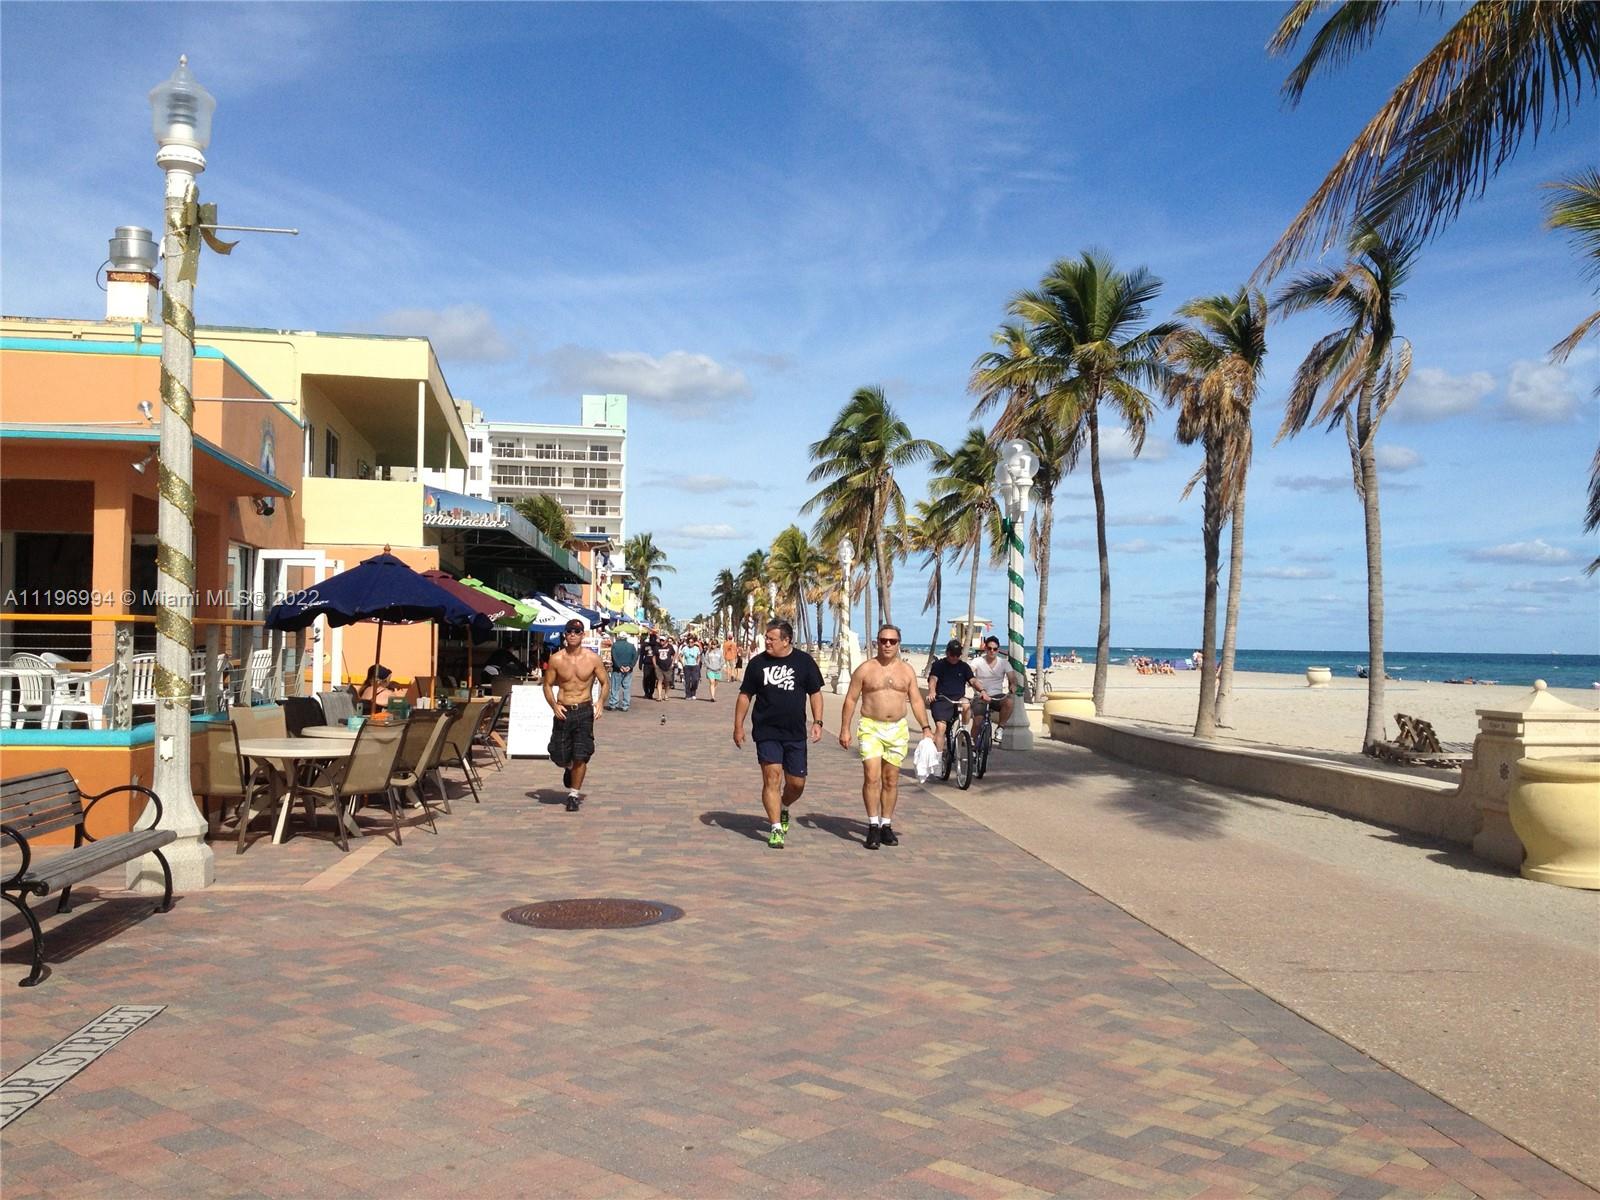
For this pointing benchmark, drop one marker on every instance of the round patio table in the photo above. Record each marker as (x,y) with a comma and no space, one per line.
(284,756)
(333,733)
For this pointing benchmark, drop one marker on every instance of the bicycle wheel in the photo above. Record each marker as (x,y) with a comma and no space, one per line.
(963,756)
(980,750)
(948,758)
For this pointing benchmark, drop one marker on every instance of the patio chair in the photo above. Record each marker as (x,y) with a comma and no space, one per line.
(220,774)
(301,711)
(142,680)
(484,735)
(419,754)
(33,691)
(254,680)
(72,696)
(457,748)
(260,721)
(366,772)
(338,706)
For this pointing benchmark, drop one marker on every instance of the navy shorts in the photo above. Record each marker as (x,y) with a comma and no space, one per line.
(791,754)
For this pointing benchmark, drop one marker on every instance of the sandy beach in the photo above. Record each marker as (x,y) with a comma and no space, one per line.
(1280,710)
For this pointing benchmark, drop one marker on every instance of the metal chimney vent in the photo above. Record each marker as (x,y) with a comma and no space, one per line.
(132,249)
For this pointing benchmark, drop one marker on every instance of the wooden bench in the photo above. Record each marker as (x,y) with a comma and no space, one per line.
(31,805)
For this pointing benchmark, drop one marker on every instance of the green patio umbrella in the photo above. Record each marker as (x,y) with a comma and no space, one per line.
(523,614)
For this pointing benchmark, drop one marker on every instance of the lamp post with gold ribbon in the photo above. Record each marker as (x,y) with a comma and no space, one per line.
(181,117)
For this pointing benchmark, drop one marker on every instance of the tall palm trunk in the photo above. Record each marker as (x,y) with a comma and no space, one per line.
(938,605)
(972,593)
(1041,558)
(1366,466)
(1230,624)
(1211,534)
(884,578)
(1102,645)
(867,629)
(819,620)
(801,616)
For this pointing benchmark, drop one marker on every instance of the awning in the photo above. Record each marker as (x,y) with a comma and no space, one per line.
(212,465)
(495,538)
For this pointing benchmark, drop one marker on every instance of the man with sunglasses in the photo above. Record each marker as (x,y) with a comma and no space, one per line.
(884,686)
(996,682)
(948,680)
(576,669)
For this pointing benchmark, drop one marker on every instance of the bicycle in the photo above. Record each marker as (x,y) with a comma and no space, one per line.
(958,753)
(983,739)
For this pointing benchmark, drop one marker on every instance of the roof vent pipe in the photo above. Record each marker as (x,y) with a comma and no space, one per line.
(131,283)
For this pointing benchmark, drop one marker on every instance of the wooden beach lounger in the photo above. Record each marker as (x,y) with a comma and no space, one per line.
(1418,745)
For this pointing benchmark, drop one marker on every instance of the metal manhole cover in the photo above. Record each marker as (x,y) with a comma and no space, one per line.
(592,914)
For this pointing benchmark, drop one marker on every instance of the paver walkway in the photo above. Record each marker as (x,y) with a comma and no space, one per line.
(949,1017)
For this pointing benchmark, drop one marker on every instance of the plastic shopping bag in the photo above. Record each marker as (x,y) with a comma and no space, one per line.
(926,759)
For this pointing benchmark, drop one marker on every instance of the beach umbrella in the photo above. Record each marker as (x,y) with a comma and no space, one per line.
(381,589)
(521,613)
(492,610)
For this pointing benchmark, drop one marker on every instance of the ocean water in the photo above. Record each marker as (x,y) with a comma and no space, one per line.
(1558,670)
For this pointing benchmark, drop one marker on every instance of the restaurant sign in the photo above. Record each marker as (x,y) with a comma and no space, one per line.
(452,510)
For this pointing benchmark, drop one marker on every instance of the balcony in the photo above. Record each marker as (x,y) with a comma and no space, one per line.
(509,453)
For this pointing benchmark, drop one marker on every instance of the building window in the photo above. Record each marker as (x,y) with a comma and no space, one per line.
(597,508)
(544,450)
(507,450)
(598,529)
(475,474)
(475,445)
(543,477)
(330,455)
(599,452)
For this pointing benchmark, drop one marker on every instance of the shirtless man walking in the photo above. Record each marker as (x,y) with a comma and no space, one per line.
(577,670)
(884,686)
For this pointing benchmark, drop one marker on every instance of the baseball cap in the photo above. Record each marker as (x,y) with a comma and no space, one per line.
(952,647)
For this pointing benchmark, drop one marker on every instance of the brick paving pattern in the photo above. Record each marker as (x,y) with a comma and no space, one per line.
(945,1018)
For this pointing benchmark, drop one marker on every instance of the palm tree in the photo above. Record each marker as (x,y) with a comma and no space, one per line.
(931,536)
(547,515)
(752,580)
(1575,208)
(857,458)
(728,598)
(646,562)
(1085,325)
(1051,422)
(1217,359)
(963,488)
(1500,71)
(792,566)
(1358,371)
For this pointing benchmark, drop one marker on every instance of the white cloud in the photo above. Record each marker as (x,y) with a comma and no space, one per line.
(1432,394)
(1117,447)
(716,531)
(1134,519)
(1537,553)
(687,383)
(1314,483)
(1567,583)
(1290,573)
(1137,546)
(460,333)
(700,484)
(1395,459)
(1540,393)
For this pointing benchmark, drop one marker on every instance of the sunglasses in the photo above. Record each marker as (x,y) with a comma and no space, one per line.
(888,641)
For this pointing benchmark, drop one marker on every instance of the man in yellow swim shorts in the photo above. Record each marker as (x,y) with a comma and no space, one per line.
(884,686)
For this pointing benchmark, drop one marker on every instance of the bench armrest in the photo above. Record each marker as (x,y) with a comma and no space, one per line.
(127,787)
(27,855)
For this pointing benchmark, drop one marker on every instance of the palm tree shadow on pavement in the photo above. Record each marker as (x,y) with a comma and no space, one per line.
(751,825)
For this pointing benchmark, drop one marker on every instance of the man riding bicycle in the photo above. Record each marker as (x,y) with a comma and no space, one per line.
(948,679)
(994,678)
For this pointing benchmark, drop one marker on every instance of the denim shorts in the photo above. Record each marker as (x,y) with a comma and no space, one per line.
(791,754)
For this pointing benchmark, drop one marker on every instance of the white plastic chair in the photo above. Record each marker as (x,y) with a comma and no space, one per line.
(142,680)
(72,695)
(33,691)
(256,673)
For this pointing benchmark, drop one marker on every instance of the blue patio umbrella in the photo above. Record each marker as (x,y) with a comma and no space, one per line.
(381,589)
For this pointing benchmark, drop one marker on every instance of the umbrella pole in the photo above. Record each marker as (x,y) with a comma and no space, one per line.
(469,658)
(433,661)
(377,659)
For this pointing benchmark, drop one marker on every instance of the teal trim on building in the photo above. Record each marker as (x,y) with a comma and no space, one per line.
(143,437)
(78,739)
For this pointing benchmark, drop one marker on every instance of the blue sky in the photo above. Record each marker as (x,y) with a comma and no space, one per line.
(740,214)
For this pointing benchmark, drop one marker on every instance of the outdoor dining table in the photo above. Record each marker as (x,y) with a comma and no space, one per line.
(284,756)
(331,732)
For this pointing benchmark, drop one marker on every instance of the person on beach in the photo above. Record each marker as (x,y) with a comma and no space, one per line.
(575,670)
(624,658)
(884,686)
(715,666)
(993,676)
(781,682)
(947,687)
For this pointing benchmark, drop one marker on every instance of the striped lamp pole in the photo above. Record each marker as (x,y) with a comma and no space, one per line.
(1014,482)
(181,110)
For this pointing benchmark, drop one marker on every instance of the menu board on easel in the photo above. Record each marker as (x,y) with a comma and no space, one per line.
(531,721)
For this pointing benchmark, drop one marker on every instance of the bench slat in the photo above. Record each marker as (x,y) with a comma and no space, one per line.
(44,782)
(64,870)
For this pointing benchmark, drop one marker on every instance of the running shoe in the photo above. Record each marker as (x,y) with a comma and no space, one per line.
(783,819)
(874,836)
(890,838)
(573,800)
(775,839)
(994,734)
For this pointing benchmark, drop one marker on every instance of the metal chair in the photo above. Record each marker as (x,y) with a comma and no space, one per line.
(220,774)
(457,748)
(419,754)
(366,772)
(484,734)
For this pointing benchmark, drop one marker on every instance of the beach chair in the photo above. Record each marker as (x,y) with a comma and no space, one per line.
(1416,744)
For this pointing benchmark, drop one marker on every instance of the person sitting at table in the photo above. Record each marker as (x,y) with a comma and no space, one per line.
(377,690)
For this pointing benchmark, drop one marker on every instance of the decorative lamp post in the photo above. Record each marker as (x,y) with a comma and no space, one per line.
(1014,482)
(844,653)
(181,120)
(772,600)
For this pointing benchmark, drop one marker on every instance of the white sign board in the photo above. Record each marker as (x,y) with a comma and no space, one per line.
(531,722)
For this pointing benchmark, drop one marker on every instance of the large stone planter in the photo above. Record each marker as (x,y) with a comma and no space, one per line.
(1555,809)
(1068,704)
(1319,676)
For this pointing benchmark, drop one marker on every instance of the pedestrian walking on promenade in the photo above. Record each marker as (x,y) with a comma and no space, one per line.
(884,686)
(666,657)
(731,661)
(782,682)
(716,667)
(570,680)
(647,663)
(624,658)
(691,668)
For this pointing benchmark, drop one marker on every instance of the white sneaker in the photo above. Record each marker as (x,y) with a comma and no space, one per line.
(997,730)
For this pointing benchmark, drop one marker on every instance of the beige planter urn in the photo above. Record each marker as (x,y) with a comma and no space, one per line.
(1555,809)
(1068,704)
(1319,676)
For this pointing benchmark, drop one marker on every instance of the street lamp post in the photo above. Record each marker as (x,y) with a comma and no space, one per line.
(181,118)
(1014,482)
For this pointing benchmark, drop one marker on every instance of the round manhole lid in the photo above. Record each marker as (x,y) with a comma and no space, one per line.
(592,914)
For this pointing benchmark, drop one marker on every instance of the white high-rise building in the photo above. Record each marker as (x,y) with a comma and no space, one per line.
(583,466)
